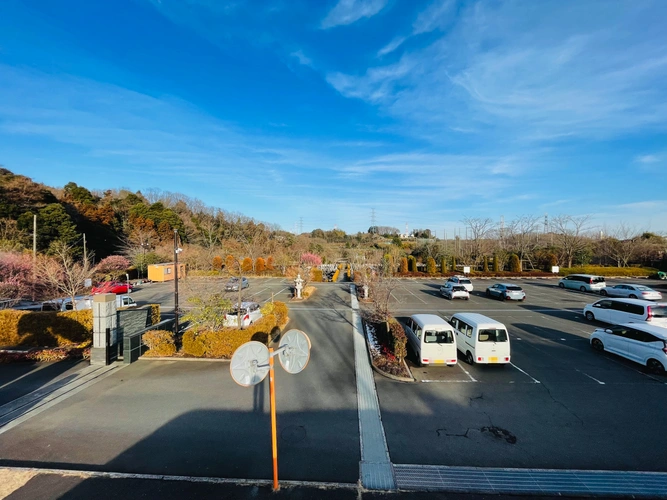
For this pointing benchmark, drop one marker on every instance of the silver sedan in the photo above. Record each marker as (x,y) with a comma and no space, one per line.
(631,291)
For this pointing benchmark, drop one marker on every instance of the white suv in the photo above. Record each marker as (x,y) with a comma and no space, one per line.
(250,312)
(638,342)
(461,280)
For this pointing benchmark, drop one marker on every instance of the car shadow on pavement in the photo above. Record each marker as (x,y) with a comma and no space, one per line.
(572,314)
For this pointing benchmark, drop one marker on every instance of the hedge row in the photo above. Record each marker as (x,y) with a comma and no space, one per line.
(50,329)
(609,271)
(159,343)
(223,343)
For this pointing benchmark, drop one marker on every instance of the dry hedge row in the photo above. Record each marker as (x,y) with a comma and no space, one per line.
(24,328)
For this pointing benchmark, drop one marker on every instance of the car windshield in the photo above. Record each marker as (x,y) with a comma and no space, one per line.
(493,335)
(464,281)
(514,288)
(659,311)
(599,279)
(436,337)
(642,287)
(458,288)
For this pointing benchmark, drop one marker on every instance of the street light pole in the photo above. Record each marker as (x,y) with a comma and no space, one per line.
(176,251)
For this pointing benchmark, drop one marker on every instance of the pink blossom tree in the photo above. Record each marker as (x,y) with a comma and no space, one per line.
(15,276)
(113,266)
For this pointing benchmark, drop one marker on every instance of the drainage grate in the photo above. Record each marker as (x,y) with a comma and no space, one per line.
(536,481)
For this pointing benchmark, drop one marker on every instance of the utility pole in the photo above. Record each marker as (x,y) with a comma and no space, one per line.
(85,253)
(34,254)
(176,250)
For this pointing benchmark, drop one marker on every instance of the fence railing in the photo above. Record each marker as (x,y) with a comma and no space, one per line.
(133,344)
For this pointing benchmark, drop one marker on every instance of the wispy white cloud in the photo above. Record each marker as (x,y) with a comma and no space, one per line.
(349,11)
(302,58)
(534,74)
(436,16)
(391,46)
(648,159)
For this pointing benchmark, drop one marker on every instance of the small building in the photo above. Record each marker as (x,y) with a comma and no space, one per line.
(165,271)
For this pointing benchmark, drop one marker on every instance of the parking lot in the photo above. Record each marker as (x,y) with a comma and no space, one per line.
(558,404)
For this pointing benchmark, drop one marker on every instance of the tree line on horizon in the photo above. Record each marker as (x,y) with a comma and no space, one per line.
(141,227)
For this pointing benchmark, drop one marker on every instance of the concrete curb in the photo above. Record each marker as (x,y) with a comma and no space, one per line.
(167,358)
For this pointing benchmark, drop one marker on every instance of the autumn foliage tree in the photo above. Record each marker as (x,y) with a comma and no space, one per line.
(260,265)
(217,263)
(246,265)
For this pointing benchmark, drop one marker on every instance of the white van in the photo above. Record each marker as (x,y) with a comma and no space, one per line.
(583,282)
(481,339)
(432,338)
(621,311)
(83,303)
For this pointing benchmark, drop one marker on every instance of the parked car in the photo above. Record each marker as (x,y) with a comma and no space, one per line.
(481,339)
(461,280)
(112,287)
(432,339)
(452,291)
(250,312)
(233,284)
(621,311)
(506,291)
(583,282)
(639,342)
(631,292)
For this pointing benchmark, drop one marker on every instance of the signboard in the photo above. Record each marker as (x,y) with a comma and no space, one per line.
(88,283)
(466,269)
(555,269)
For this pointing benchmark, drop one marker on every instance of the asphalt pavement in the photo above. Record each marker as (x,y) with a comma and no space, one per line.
(559,405)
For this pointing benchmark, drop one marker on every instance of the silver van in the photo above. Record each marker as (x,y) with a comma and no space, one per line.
(583,282)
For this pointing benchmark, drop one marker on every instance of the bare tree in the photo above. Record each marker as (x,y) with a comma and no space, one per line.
(381,284)
(479,231)
(570,235)
(63,273)
(621,245)
(520,237)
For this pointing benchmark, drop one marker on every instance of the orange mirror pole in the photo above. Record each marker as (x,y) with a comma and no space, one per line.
(274,439)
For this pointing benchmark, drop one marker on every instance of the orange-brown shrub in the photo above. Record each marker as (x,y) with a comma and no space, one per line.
(159,343)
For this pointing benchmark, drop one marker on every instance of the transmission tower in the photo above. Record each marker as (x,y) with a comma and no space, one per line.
(373,222)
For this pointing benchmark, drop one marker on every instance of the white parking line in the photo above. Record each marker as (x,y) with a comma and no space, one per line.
(448,381)
(472,379)
(593,378)
(640,372)
(526,374)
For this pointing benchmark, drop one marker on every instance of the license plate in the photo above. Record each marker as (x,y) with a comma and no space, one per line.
(439,362)
(493,360)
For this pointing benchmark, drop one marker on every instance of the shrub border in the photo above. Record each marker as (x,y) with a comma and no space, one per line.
(391,376)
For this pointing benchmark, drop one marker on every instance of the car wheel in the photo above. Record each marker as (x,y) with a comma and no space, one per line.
(522,299)
(603,293)
(633,296)
(590,316)
(655,366)
(488,294)
(582,288)
(597,345)
(561,285)
(469,359)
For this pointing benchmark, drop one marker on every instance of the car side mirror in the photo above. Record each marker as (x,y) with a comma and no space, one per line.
(607,330)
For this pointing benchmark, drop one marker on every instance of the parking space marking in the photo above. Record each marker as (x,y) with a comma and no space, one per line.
(526,374)
(472,379)
(593,378)
(448,381)
(634,370)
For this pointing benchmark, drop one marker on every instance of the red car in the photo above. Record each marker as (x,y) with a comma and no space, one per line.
(112,287)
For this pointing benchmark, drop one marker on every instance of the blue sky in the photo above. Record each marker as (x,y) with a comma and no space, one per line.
(320,113)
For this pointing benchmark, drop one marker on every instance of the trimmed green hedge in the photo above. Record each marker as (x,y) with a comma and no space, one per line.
(609,271)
